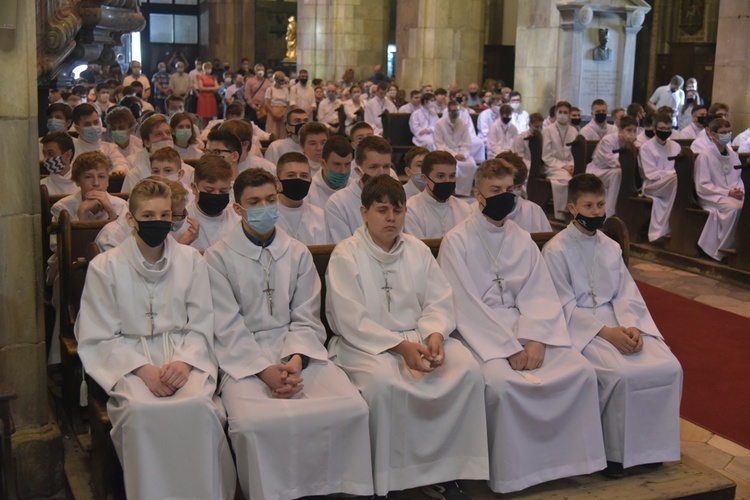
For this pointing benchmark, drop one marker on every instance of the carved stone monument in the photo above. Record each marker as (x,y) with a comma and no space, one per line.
(596,50)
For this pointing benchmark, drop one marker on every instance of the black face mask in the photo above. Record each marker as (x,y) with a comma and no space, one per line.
(212,204)
(649,133)
(226,68)
(575,121)
(505,119)
(702,120)
(690,100)
(154,232)
(443,190)
(590,223)
(600,117)
(297,128)
(303,81)
(499,206)
(473,94)
(663,135)
(295,189)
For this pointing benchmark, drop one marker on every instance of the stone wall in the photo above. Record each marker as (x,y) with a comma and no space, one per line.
(733,62)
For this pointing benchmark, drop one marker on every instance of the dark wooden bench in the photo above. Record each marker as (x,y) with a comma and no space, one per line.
(538,188)
(582,150)
(397,132)
(739,256)
(684,142)
(687,218)
(7,464)
(632,208)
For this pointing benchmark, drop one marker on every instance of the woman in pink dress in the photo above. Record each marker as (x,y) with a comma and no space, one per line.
(207,87)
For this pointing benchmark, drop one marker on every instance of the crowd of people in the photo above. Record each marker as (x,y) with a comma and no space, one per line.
(496,361)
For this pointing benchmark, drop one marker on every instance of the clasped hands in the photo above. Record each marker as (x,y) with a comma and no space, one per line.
(626,340)
(284,379)
(164,381)
(421,358)
(530,357)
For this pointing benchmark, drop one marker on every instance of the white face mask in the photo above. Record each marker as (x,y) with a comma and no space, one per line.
(156,146)
(562,118)
(515,105)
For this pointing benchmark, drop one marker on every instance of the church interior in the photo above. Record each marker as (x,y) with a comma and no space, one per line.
(491,59)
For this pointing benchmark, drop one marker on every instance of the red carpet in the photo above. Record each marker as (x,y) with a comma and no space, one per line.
(714,349)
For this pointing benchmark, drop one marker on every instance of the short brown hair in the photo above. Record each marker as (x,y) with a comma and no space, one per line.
(178,193)
(212,168)
(312,128)
(516,162)
(242,129)
(148,125)
(120,116)
(562,104)
(62,139)
(583,184)
(252,177)
(413,153)
(166,154)
(373,143)
(339,145)
(494,168)
(358,126)
(89,161)
(436,158)
(291,157)
(662,118)
(179,117)
(381,189)
(148,189)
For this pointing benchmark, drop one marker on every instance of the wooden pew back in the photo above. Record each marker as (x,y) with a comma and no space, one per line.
(538,189)
(632,208)
(397,132)
(582,150)
(740,258)
(687,218)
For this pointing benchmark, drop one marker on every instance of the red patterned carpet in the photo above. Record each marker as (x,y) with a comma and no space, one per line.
(714,349)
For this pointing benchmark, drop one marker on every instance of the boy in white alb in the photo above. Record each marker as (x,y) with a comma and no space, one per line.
(57,151)
(413,160)
(335,171)
(210,208)
(298,426)
(640,380)
(391,310)
(557,158)
(435,211)
(145,334)
(541,401)
(528,215)
(299,218)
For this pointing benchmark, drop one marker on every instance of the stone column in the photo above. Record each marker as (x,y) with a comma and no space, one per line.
(228,30)
(333,35)
(536,54)
(439,42)
(36,444)
(733,61)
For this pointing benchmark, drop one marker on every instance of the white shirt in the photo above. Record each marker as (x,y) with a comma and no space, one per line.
(484,121)
(530,217)
(408,108)
(520,120)
(60,184)
(500,138)
(280,146)
(342,213)
(109,150)
(320,192)
(429,218)
(303,97)
(73,201)
(374,109)
(212,229)
(594,132)
(328,111)
(278,96)
(452,137)
(252,161)
(305,224)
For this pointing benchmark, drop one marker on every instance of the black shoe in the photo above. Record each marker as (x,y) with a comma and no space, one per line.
(654,465)
(614,470)
(446,491)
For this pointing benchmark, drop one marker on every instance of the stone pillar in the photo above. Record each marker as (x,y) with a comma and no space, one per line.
(733,61)
(439,42)
(228,30)
(333,35)
(37,446)
(536,54)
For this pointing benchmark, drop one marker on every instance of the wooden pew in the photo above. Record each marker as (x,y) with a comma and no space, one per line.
(684,142)
(73,238)
(687,218)
(582,150)
(7,464)
(632,208)
(739,256)
(397,132)
(538,189)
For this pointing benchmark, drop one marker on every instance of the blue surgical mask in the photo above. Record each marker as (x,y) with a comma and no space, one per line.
(92,133)
(338,180)
(418,180)
(262,219)
(725,138)
(55,125)
(120,137)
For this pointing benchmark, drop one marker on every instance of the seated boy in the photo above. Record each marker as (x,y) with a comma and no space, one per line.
(226,145)
(298,426)
(359,131)
(605,162)
(210,208)
(335,171)
(391,310)
(312,139)
(528,215)
(121,124)
(720,189)
(299,218)
(58,151)
(541,401)
(557,158)
(166,162)
(413,161)
(640,380)
(90,173)
(145,331)
(659,176)
(521,142)
(59,119)
(244,132)
(342,211)
(88,125)
(435,211)
(118,230)
(598,128)
(294,121)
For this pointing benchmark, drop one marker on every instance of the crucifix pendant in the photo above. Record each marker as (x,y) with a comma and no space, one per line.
(269,296)
(499,282)
(593,298)
(387,290)
(151,315)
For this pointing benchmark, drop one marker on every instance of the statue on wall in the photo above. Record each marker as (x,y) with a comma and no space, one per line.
(291,40)
(602,52)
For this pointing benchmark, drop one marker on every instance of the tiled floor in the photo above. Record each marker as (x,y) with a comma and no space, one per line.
(700,444)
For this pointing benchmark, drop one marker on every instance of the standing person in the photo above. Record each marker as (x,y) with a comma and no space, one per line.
(161,86)
(137,76)
(277,103)
(179,82)
(520,117)
(207,88)
(640,380)
(376,106)
(194,74)
(452,136)
(557,158)
(670,95)
(302,95)
(255,95)
(391,311)
(354,108)
(145,331)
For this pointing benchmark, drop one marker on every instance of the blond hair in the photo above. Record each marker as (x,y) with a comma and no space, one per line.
(148,189)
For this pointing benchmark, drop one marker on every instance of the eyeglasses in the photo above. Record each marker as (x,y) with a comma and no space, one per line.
(178,217)
(219,152)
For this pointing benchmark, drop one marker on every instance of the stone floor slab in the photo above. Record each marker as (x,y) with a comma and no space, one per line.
(740,466)
(706,454)
(691,432)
